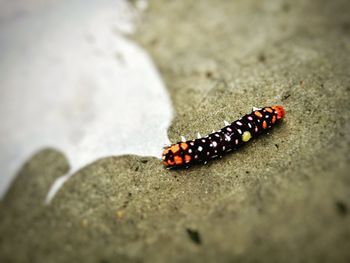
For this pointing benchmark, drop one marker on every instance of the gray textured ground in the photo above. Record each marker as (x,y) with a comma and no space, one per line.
(285,198)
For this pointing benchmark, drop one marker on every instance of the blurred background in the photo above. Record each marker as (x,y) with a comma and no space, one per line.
(92,90)
(68,70)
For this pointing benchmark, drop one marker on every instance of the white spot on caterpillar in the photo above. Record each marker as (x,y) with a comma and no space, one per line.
(183,139)
(214,144)
(229,129)
(250,118)
(239,123)
(228,138)
(239,131)
(203,140)
(236,141)
(189,150)
(200,148)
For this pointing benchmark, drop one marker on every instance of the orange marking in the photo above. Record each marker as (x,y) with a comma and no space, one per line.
(175,148)
(178,160)
(166,151)
(273,119)
(258,114)
(187,158)
(269,110)
(170,163)
(279,111)
(264,125)
(184,145)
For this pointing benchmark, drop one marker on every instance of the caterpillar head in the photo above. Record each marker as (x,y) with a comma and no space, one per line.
(176,155)
(170,155)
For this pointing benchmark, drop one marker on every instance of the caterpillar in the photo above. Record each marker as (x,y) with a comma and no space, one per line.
(218,143)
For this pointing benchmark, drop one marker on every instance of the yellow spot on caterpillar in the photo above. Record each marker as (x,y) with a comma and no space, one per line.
(258,114)
(246,136)
(184,145)
(175,148)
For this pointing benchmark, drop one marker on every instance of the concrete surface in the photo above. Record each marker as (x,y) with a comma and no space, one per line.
(283,198)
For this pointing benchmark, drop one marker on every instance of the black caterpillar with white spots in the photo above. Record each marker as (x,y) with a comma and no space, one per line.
(216,144)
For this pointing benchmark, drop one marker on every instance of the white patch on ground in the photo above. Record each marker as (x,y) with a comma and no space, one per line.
(71,80)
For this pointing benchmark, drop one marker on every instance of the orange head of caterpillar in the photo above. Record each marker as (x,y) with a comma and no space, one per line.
(279,111)
(171,156)
(166,157)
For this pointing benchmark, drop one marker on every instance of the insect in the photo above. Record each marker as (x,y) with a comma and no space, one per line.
(218,143)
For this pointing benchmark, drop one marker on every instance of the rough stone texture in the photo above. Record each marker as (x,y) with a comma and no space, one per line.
(284,198)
